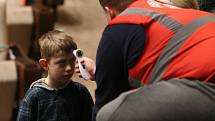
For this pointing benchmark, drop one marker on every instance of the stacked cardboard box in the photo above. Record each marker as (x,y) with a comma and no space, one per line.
(8,81)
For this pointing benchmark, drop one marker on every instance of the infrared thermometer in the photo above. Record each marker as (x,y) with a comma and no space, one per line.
(78,53)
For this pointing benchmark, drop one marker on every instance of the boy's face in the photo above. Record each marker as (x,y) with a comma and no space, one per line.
(60,69)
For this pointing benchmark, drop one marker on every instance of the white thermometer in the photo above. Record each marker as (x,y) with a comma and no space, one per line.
(78,53)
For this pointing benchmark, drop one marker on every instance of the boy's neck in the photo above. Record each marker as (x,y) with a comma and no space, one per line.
(54,85)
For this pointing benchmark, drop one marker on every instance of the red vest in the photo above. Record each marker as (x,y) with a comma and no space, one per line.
(194,58)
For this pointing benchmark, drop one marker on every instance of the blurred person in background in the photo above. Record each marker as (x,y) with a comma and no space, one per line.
(193,4)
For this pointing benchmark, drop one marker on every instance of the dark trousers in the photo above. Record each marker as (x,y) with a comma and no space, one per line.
(173,100)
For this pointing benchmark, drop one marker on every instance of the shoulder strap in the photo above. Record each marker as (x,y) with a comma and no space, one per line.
(174,44)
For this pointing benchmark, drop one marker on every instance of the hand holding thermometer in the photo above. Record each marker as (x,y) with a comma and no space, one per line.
(78,53)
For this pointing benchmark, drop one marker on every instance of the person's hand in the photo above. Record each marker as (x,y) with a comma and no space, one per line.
(88,64)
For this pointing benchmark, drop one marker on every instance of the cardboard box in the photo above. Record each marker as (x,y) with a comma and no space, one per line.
(8,82)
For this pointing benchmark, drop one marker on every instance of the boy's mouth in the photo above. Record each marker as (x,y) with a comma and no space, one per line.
(67,75)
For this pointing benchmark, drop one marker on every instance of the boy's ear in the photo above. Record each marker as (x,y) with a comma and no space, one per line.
(43,63)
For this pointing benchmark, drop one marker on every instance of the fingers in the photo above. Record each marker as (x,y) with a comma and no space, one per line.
(87,64)
(77,71)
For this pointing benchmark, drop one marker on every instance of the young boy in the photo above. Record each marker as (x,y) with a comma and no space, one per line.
(56,97)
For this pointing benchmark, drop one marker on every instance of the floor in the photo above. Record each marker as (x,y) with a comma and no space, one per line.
(84,20)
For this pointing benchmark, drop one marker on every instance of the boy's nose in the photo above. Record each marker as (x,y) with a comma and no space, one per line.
(68,67)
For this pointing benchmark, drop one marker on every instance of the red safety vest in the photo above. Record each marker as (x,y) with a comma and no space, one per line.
(194,58)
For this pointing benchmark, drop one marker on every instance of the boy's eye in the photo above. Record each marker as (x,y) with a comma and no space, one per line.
(61,62)
(65,62)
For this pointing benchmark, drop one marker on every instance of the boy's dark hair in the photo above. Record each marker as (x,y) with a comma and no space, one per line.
(119,5)
(55,42)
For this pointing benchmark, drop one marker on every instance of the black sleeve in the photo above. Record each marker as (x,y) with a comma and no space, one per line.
(118,50)
(86,105)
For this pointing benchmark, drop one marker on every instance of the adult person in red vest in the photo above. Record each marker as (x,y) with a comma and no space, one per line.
(167,49)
